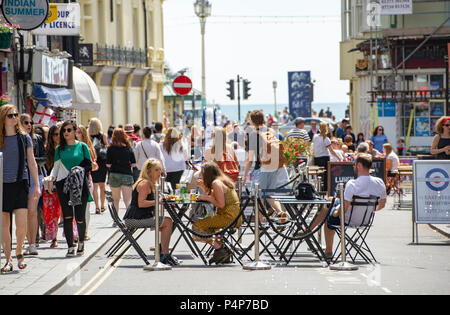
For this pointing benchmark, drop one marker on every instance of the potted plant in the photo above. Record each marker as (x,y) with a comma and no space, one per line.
(4,99)
(295,149)
(6,33)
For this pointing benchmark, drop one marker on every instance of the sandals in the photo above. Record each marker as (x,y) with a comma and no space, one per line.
(103,209)
(97,211)
(20,262)
(7,268)
(54,244)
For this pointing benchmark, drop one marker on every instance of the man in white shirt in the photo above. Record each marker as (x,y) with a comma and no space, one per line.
(364,185)
(148,149)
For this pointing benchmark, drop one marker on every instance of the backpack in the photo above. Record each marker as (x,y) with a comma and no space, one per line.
(272,148)
(100,148)
(305,191)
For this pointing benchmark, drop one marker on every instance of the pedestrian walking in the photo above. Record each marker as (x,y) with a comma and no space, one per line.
(440,147)
(100,143)
(269,175)
(223,154)
(120,160)
(40,157)
(174,156)
(322,150)
(51,205)
(83,136)
(148,149)
(379,138)
(158,136)
(71,169)
(299,130)
(19,166)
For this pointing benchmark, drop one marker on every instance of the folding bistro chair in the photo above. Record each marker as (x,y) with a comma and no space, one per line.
(127,236)
(358,218)
(392,180)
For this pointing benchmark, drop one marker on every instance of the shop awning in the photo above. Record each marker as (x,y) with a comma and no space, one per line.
(85,94)
(56,97)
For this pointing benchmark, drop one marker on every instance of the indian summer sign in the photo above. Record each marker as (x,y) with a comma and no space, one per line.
(28,14)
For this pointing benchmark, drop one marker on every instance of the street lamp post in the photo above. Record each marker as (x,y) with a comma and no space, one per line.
(203,10)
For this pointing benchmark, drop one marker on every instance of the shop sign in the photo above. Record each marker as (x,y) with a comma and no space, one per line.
(28,14)
(63,20)
(52,70)
(85,55)
(396,7)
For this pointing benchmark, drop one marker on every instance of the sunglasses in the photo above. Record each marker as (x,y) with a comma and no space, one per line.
(69,130)
(447,125)
(28,123)
(10,116)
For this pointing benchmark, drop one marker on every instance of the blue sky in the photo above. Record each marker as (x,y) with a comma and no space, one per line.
(262,50)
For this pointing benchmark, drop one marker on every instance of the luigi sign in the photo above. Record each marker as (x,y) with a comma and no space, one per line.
(27,14)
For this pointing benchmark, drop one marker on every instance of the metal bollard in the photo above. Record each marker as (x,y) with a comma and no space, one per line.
(256,264)
(343,265)
(157,266)
(240,186)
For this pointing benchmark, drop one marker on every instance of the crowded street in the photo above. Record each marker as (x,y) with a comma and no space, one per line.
(273,153)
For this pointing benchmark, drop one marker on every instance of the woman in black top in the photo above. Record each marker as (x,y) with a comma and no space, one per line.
(100,143)
(441,142)
(141,212)
(40,157)
(120,160)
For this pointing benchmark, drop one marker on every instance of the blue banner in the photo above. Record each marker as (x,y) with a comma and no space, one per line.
(299,93)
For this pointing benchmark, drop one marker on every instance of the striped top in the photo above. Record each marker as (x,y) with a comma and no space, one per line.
(299,133)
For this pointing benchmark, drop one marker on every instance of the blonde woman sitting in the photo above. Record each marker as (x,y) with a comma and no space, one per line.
(141,211)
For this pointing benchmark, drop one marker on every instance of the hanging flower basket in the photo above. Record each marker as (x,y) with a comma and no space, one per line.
(296,148)
(5,40)
(6,34)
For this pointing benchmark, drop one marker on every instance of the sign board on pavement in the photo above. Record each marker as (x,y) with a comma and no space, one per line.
(432,191)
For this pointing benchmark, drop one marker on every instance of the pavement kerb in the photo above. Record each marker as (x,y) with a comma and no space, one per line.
(81,265)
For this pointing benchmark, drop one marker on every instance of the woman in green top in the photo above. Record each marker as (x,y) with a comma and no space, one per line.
(68,154)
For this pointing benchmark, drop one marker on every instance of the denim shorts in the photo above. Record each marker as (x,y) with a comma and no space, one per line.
(116,180)
(334,221)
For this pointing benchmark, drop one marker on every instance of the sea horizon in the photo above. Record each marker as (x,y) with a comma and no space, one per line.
(231,111)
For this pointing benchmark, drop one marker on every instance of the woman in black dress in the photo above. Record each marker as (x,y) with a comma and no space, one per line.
(100,143)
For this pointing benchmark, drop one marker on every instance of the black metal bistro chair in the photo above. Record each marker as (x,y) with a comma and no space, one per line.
(358,219)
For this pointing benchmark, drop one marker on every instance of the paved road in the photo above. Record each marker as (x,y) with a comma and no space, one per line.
(403,269)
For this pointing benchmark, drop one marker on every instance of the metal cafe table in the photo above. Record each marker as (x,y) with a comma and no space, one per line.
(178,211)
(302,214)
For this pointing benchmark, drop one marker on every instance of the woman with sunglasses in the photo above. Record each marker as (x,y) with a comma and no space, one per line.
(379,138)
(441,142)
(68,154)
(40,157)
(19,166)
(52,207)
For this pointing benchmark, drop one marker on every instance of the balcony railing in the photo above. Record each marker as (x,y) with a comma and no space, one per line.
(117,55)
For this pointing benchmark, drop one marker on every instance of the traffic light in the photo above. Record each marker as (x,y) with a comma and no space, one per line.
(246,89)
(230,88)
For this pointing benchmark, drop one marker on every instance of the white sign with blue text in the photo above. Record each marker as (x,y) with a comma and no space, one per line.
(432,191)
(63,20)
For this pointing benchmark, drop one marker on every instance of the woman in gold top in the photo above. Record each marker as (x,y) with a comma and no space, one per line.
(221,193)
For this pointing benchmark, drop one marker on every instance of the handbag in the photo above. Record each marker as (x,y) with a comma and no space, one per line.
(229,165)
(305,191)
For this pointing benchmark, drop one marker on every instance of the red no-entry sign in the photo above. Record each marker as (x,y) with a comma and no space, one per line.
(182,85)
